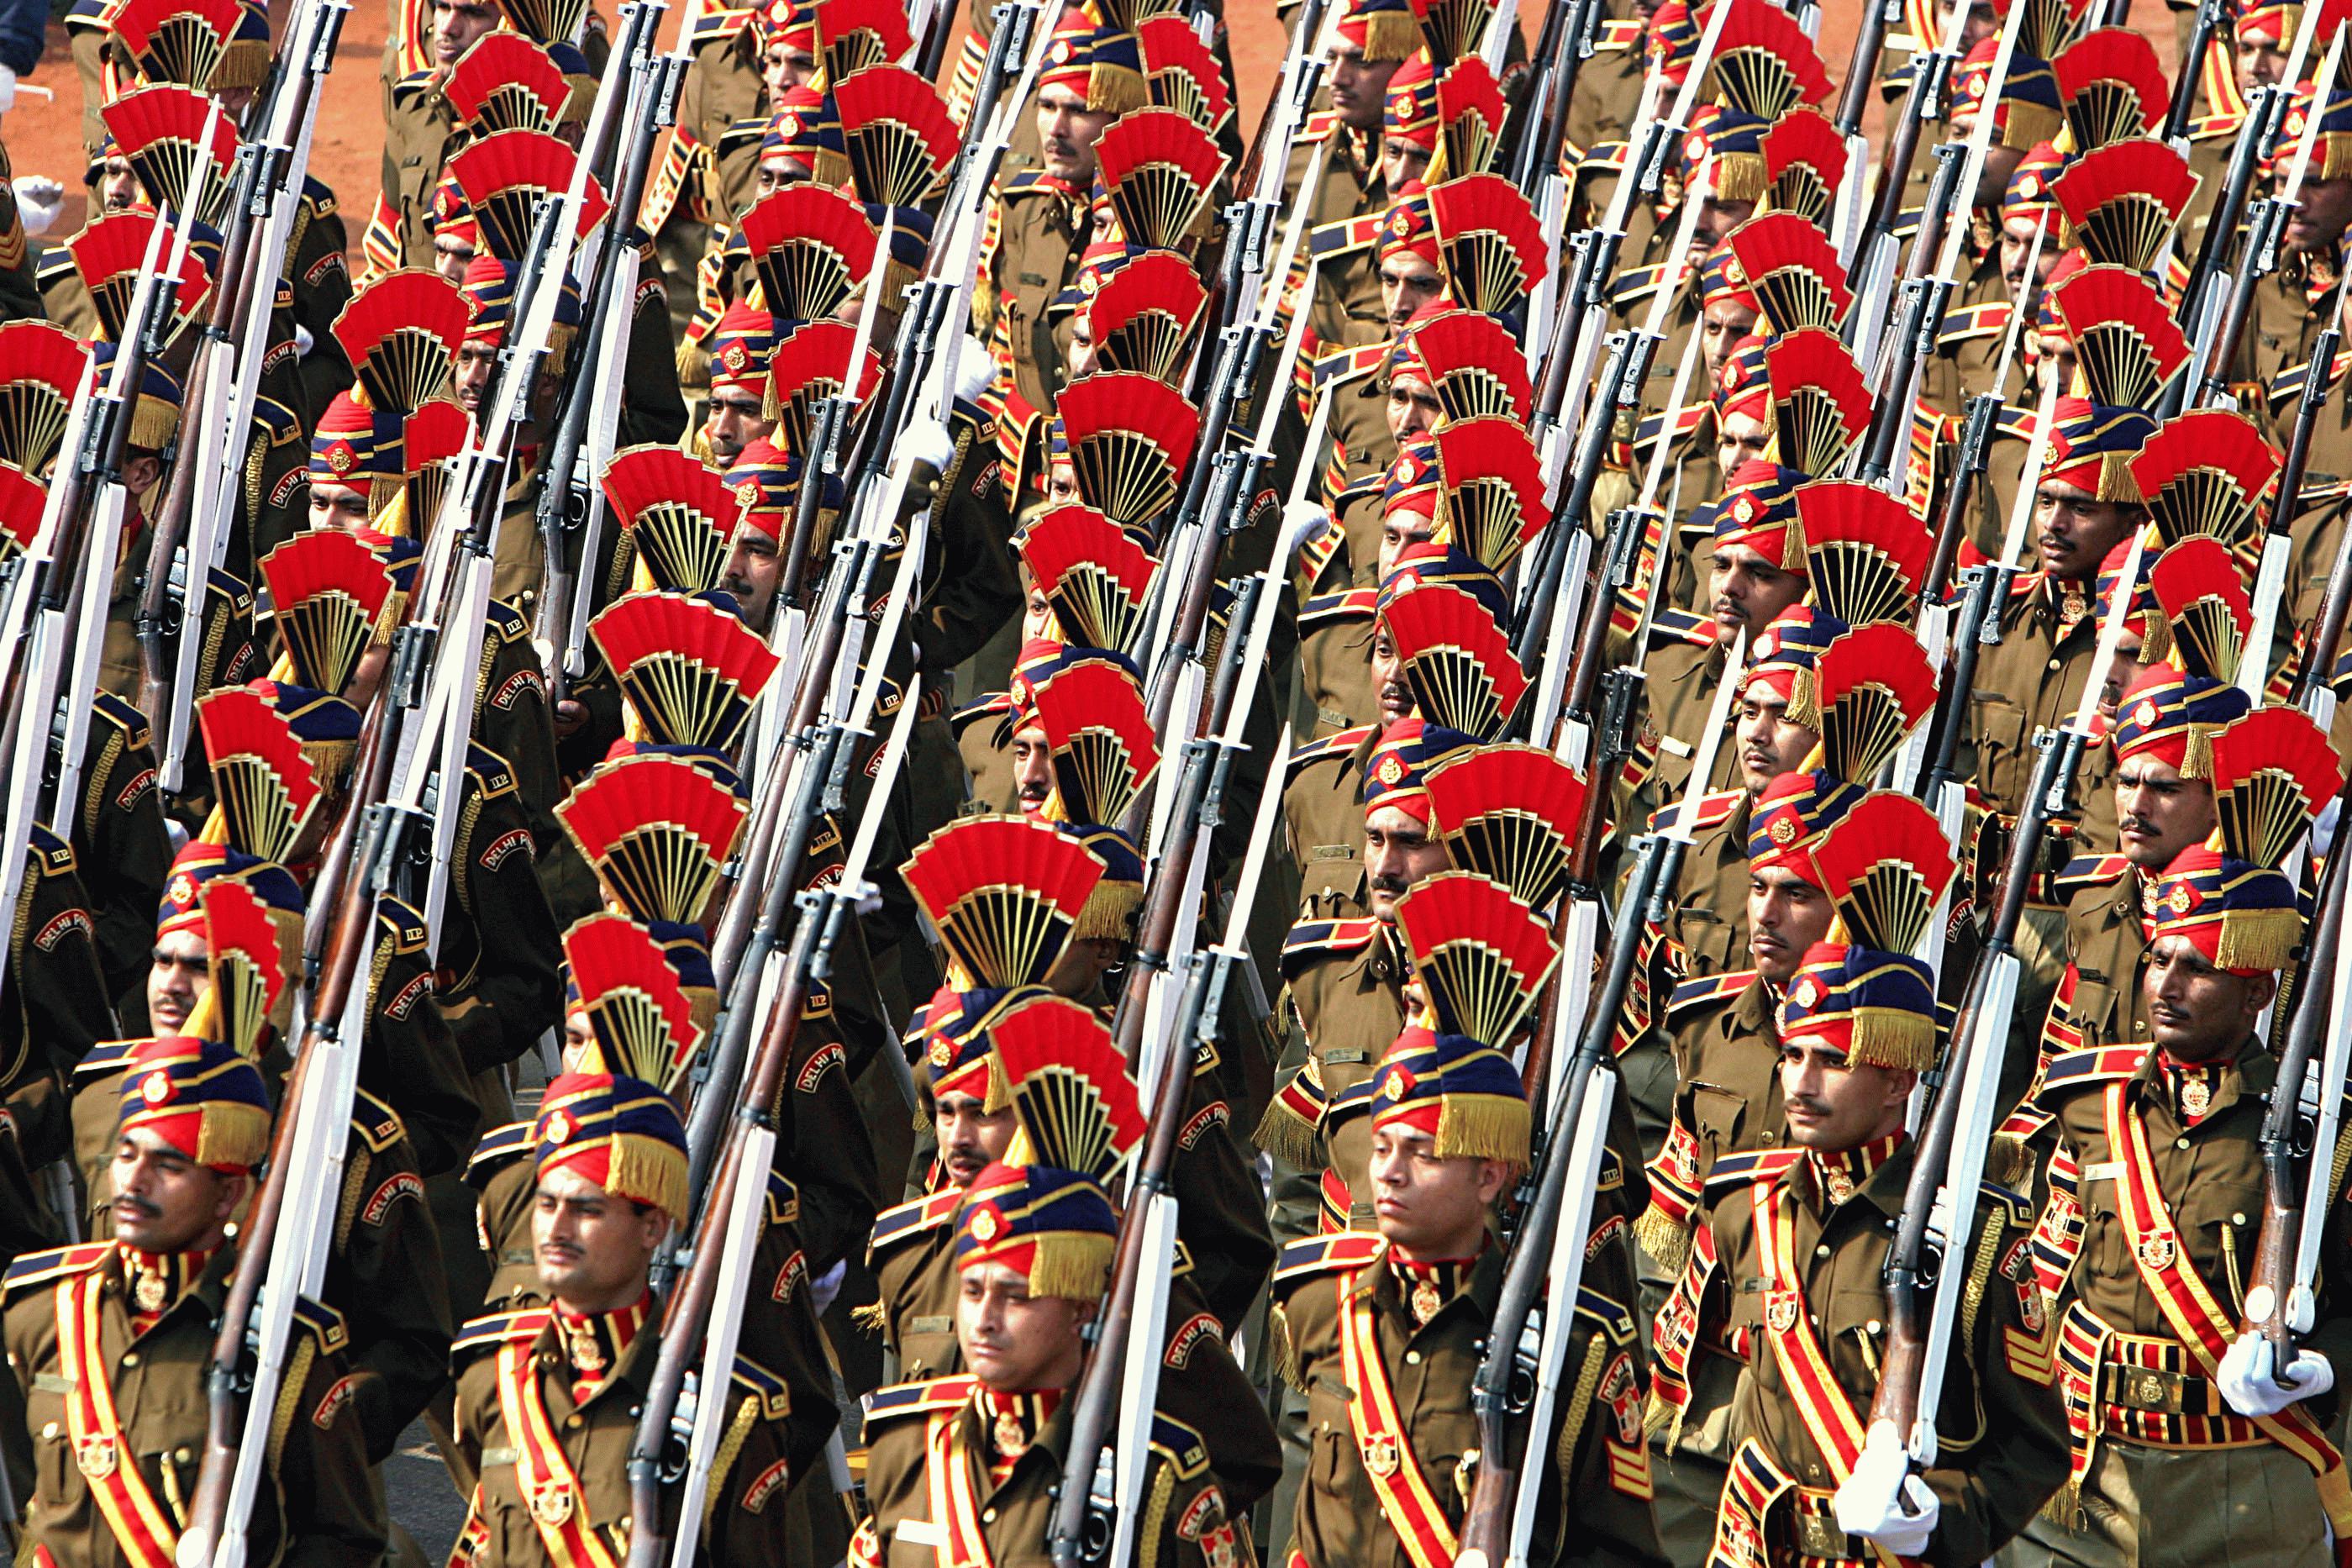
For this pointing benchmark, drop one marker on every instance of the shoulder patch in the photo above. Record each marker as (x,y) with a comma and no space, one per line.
(400,924)
(56,1263)
(775,1399)
(994,705)
(1181,1446)
(108,1057)
(375,1121)
(1348,363)
(1751,1165)
(487,1333)
(1714,810)
(2070,1072)
(784,1199)
(1309,940)
(112,710)
(1338,745)
(321,1322)
(1322,1253)
(913,1398)
(2089,871)
(1327,610)
(1671,626)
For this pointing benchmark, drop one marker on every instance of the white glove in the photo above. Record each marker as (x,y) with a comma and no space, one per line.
(7,90)
(37,196)
(1883,1500)
(2247,1384)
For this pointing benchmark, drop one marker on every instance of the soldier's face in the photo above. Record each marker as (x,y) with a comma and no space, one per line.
(1427,1207)
(2076,531)
(778,171)
(1013,1340)
(1745,591)
(783,67)
(456,24)
(971,1138)
(2197,1012)
(1769,744)
(2324,214)
(164,1201)
(1082,965)
(1833,1104)
(754,567)
(1388,688)
(2054,355)
(1408,281)
(337,506)
(1399,849)
(177,977)
(1359,87)
(1786,915)
(592,1249)
(1412,406)
(1082,344)
(2017,247)
(2000,163)
(1740,438)
(118,188)
(1401,529)
(1062,483)
(578,1041)
(471,376)
(1716,217)
(2158,813)
(1401,158)
(1037,619)
(1033,767)
(451,256)
(1067,131)
(1722,322)
(735,421)
(2259,62)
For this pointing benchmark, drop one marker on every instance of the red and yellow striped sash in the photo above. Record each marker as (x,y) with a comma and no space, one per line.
(1386,1447)
(146,1533)
(955,1505)
(2189,1305)
(543,1474)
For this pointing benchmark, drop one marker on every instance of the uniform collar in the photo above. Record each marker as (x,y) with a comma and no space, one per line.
(1841,1175)
(593,1343)
(1013,1424)
(155,1283)
(1426,1288)
(2251,1072)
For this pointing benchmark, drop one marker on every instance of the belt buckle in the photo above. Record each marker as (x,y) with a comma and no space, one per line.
(1818,1535)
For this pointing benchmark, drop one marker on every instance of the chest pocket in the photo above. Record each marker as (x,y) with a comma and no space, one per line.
(1332,1460)
(1999,728)
(1717,1114)
(1331,885)
(1706,938)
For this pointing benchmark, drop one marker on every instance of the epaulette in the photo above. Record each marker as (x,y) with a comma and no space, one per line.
(1966,322)
(108,1057)
(893,1225)
(411,89)
(322,1322)
(1348,363)
(377,1123)
(510,624)
(2213,127)
(914,1398)
(2015,423)
(1182,1447)
(740,133)
(2088,871)
(1683,627)
(2020,1205)
(55,1263)
(319,197)
(1319,123)
(2070,1072)
(1637,283)
(1337,744)
(1312,939)
(57,856)
(498,1329)
(994,705)
(490,771)
(109,708)
(402,924)
(1751,1165)
(1346,605)
(1620,33)
(1346,235)
(1321,1254)
(498,1146)
(1606,1312)
(1709,988)
(775,1396)
(784,1199)
(90,17)
(1714,810)
(55,266)
(1030,181)
(1687,418)
(1602,158)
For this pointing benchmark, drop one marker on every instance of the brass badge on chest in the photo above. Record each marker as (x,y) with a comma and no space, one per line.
(1381,1456)
(2155,1251)
(1426,1301)
(1840,1185)
(2195,1097)
(1011,1438)
(1780,1311)
(148,1293)
(552,1504)
(586,1354)
(95,1455)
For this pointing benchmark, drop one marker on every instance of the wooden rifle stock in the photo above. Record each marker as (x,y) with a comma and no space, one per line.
(2192,65)
(1862,69)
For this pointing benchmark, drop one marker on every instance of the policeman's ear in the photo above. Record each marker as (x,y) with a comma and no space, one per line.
(2260,989)
(229,1192)
(1493,1177)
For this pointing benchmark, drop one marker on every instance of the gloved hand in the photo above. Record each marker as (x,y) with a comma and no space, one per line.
(2247,1384)
(7,90)
(1883,1500)
(37,196)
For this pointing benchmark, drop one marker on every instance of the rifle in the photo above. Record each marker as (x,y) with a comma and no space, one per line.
(1082,1529)
(570,504)
(1872,262)
(1939,1203)
(1854,106)
(2210,363)
(1570,31)
(2206,22)
(2278,538)
(1512,1374)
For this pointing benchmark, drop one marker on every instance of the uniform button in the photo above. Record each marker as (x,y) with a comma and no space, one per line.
(547,1358)
(572,1423)
(1769,1140)
(2123,907)
(1872,1326)
(2237,1219)
(1822,1250)
(987,1516)
(182,1456)
(2053,663)
(49,1433)
(1412,1358)
(130,1358)
(2180,1142)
